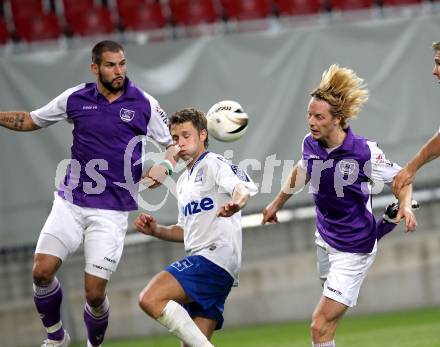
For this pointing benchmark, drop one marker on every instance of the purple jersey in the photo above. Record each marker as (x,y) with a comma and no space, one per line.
(106,151)
(342,182)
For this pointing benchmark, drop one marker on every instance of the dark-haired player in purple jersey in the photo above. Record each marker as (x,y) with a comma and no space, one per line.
(344,170)
(109,118)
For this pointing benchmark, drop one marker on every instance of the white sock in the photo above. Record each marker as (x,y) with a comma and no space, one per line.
(324,344)
(178,322)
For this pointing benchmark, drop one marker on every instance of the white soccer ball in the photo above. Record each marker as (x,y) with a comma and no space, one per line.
(227,121)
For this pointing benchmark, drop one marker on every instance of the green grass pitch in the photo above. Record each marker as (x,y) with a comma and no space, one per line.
(418,328)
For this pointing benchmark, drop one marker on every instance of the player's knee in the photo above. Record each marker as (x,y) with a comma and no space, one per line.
(148,304)
(42,275)
(95,297)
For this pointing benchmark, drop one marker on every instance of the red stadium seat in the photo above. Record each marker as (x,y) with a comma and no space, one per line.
(193,12)
(351,4)
(40,27)
(75,8)
(25,8)
(400,2)
(140,15)
(298,7)
(4,33)
(247,9)
(92,22)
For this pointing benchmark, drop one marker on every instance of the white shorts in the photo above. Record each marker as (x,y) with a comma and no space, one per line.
(342,273)
(103,232)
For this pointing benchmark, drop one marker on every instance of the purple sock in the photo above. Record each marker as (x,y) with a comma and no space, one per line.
(48,302)
(383,227)
(96,320)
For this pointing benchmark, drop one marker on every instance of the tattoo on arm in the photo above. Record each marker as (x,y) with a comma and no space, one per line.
(17,120)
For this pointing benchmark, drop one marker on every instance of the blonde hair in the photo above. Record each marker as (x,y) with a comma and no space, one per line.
(344,91)
(436,46)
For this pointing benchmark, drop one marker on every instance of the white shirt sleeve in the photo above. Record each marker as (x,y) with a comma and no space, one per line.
(381,168)
(228,176)
(302,164)
(55,110)
(158,124)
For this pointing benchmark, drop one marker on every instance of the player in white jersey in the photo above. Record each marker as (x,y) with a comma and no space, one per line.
(188,297)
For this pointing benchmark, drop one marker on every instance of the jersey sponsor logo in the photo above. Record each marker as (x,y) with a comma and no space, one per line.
(90,107)
(182,265)
(126,115)
(314,156)
(346,167)
(380,160)
(240,173)
(162,114)
(195,207)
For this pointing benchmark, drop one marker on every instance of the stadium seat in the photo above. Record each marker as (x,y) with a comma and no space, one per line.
(193,12)
(139,15)
(92,22)
(4,33)
(298,7)
(400,2)
(39,27)
(76,8)
(247,9)
(351,4)
(24,9)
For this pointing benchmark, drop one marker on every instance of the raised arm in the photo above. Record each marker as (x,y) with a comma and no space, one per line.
(156,174)
(18,121)
(428,152)
(295,182)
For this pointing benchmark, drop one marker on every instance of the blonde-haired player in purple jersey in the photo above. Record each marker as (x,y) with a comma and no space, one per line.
(92,204)
(343,170)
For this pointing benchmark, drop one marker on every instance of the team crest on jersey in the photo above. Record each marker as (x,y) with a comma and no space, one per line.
(346,167)
(126,115)
(241,174)
(199,176)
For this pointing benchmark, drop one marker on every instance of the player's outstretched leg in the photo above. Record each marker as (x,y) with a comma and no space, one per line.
(388,222)
(159,300)
(178,322)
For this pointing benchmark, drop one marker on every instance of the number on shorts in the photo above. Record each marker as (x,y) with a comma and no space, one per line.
(182,265)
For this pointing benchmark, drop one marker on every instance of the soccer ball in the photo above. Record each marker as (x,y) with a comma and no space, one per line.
(227,121)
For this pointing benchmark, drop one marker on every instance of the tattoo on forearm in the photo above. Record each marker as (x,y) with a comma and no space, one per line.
(19,122)
(13,120)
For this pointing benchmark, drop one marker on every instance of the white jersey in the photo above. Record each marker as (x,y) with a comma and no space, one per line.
(201,192)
